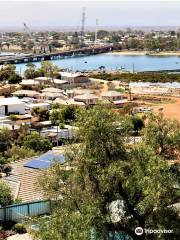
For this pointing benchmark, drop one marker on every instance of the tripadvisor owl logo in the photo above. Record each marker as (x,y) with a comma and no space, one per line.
(139,231)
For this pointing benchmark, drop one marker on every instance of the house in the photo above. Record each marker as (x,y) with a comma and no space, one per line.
(26,93)
(29,83)
(11,105)
(70,101)
(43,80)
(52,93)
(76,91)
(52,90)
(60,83)
(88,98)
(52,96)
(74,79)
(111,95)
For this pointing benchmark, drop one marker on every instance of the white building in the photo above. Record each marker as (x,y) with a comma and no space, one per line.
(11,105)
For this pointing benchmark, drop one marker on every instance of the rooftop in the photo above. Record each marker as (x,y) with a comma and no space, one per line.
(10,101)
(86,96)
(111,94)
(70,101)
(29,82)
(70,74)
(77,91)
(52,90)
(33,105)
(26,93)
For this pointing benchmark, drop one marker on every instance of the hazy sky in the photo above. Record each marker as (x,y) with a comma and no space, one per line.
(110,13)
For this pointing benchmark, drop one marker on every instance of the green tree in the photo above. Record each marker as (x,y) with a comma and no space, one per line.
(104,175)
(31,71)
(37,143)
(64,114)
(42,114)
(68,113)
(49,69)
(163,135)
(6,71)
(55,116)
(14,79)
(5,194)
(5,139)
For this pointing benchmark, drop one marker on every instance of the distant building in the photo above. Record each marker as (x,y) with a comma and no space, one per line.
(26,93)
(111,95)
(74,79)
(70,101)
(11,105)
(76,91)
(52,93)
(43,80)
(29,83)
(88,98)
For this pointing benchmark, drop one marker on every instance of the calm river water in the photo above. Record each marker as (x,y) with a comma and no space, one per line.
(113,62)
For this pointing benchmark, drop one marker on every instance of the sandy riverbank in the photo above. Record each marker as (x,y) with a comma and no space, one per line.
(170,53)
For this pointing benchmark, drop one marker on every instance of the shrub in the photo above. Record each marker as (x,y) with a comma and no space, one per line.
(37,142)
(5,194)
(7,169)
(19,228)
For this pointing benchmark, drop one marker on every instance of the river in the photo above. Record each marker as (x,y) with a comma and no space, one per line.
(113,62)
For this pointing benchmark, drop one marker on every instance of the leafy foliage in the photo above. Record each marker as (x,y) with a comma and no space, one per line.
(5,139)
(42,114)
(8,73)
(37,143)
(103,174)
(163,135)
(5,194)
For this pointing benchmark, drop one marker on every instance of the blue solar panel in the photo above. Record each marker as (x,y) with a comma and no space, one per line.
(45,161)
(38,164)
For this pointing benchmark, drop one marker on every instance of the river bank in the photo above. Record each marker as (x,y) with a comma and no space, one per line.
(142,53)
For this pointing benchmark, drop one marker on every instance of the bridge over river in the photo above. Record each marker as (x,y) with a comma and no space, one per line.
(51,56)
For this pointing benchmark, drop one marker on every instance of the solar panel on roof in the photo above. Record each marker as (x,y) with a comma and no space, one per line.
(38,164)
(45,161)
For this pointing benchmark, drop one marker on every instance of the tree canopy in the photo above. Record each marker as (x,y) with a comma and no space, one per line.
(109,188)
(37,143)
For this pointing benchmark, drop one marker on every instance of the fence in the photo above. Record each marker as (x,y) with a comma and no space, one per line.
(18,212)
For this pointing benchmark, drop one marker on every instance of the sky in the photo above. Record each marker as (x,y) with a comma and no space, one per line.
(109,13)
